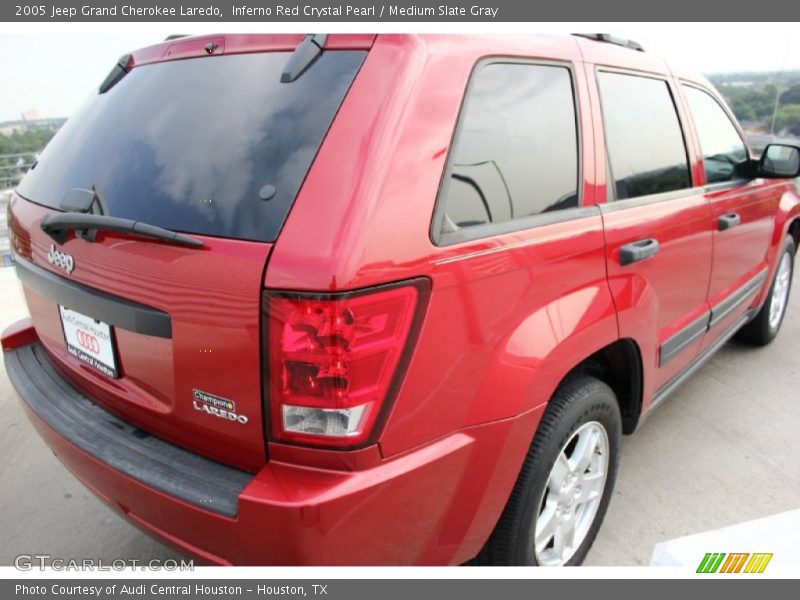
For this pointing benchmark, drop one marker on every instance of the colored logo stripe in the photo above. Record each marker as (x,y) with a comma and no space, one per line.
(710,562)
(734,562)
(713,562)
(758,563)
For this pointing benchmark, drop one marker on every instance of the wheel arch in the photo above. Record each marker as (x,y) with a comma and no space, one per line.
(619,365)
(787,222)
(794,231)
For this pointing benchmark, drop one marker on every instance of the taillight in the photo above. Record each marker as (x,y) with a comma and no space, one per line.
(335,361)
(19,238)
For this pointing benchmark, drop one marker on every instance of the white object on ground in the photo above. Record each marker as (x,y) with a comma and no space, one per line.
(776,534)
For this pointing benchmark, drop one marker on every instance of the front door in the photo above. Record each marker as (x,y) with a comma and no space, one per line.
(742,212)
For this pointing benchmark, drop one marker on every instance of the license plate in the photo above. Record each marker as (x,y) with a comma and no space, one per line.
(89,340)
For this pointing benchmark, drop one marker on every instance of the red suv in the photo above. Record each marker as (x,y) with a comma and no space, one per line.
(358,299)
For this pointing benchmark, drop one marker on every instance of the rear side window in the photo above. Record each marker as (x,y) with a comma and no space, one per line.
(215,146)
(724,152)
(646,150)
(516,149)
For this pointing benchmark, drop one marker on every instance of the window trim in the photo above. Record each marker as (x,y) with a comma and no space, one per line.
(611,188)
(617,205)
(477,232)
(720,185)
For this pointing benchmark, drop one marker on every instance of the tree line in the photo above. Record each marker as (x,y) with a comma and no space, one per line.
(31,140)
(752,98)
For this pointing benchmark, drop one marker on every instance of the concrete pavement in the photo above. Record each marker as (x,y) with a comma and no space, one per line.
(721,450)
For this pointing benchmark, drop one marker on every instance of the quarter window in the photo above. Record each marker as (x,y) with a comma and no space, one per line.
(646,150)
(724,152)
(516,150)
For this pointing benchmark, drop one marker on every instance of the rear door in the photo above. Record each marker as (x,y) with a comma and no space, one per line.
(656,222)
(742,209)
(167,336)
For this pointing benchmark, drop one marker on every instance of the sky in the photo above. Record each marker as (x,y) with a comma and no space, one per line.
(53,72)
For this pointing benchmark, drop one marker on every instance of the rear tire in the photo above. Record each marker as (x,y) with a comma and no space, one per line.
(566,481)
(767,323)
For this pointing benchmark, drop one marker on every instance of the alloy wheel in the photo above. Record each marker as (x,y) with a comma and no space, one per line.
(572,496)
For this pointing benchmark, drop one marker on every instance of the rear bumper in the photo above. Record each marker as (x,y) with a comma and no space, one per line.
(113,442)
(434,505)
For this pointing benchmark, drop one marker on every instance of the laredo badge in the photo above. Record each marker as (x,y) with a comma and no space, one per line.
(216,406)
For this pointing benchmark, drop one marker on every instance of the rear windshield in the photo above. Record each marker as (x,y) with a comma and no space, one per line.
(215,146)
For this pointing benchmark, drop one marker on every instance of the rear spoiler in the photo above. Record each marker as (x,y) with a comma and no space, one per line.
(304,55)
(116,74)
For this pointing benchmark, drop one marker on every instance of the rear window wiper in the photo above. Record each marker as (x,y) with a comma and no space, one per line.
(56,225)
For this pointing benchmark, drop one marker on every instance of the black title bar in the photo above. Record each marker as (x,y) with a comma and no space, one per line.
(260,11)
(396,589)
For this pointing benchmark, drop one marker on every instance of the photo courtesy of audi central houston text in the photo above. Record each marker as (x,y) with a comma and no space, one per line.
(393,299)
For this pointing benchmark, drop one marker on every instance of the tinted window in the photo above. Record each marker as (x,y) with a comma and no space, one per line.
(645,145)
(723,150)
(189,144)
(516,151)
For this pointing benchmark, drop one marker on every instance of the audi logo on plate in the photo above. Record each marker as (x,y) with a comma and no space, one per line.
(88,341)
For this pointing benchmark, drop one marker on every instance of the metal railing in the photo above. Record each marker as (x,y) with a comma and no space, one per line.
(758,141)
(6,258)
(14,166)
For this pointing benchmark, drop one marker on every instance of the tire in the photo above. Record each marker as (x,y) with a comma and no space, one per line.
(767,323)
(582,409)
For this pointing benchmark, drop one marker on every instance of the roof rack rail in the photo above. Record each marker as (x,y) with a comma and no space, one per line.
(610,39)
(176,36)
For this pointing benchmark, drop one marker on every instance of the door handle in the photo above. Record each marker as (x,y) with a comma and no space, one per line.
(638,251)
(728,221)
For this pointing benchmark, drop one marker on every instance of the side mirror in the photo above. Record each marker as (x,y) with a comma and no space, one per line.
(779,161)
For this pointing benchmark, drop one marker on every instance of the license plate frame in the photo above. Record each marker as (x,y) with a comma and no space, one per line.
(89,340)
